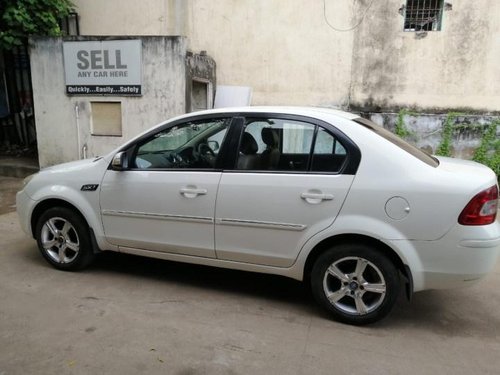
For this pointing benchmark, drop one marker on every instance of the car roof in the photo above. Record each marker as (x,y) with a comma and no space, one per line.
(304,111)
(317,112)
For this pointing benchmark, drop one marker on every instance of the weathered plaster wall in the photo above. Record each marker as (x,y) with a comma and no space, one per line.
(163,85)
(289,55)
(284,50)
(131,17)
(456,67)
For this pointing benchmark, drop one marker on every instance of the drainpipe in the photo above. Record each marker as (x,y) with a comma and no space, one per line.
(77,116)
(84,151)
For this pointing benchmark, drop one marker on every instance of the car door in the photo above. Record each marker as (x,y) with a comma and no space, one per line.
(165,200)
(286,186)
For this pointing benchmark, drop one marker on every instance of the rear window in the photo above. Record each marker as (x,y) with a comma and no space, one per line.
(415,151)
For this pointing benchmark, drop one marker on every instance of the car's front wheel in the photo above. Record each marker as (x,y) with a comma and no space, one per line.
(355,283)
(63,239)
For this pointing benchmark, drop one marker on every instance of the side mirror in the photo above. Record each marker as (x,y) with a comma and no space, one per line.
(214,145)
(120,161)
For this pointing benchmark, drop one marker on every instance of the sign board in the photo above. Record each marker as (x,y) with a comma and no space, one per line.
(103,67)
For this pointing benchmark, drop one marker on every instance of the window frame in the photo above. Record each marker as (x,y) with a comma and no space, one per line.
(252,119)
(353,154)
(227,157)
(131,149)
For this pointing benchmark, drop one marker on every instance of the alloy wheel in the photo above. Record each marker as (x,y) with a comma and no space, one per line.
(60,240)
(354,285)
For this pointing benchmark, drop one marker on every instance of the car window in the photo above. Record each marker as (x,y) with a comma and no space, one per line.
(215,141)
(190,145)
(275,144)
(297,138)
(329,154)
(415,151)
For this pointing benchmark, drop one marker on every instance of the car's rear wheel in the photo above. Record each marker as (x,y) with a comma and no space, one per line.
(355,283)
(63,238)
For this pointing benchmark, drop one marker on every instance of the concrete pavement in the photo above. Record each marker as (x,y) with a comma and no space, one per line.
(9,186)
(129,315)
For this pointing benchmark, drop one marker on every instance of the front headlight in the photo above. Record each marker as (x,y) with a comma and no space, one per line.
(28,179)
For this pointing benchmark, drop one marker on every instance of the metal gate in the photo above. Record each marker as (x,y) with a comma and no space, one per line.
(17,122)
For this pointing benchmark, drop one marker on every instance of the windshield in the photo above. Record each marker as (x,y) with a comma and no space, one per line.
(415,151)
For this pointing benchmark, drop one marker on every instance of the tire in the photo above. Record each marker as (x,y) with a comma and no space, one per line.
(63,238)
(355,283)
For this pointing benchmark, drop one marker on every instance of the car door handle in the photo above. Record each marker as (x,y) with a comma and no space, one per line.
(192,192)
(315,198)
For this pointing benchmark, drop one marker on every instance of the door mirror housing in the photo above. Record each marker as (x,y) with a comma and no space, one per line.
(214,145)
(120,161)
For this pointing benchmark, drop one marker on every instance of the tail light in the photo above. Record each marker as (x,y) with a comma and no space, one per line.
(482,209)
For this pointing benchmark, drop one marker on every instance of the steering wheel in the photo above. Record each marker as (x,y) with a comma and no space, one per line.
(206,154)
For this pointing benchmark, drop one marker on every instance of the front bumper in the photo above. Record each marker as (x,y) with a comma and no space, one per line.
(24,206)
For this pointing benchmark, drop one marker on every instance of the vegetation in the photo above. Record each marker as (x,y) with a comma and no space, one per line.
(22,18)
(444,148)
(400,129)
(488,152)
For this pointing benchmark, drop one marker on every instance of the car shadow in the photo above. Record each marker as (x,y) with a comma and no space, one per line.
(450,313)
(447,313)
(270,287)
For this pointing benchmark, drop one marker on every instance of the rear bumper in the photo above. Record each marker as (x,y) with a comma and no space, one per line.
(470,265)
(461,258)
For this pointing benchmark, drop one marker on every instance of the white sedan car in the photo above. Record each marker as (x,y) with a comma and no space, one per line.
(313,194)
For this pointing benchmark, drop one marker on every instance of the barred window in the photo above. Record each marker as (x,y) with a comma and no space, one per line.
(423,15)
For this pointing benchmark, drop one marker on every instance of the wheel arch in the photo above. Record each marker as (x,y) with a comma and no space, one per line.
(329,242)
(44,205)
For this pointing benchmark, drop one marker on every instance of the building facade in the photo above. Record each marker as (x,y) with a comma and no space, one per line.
(335,53)
(425,58)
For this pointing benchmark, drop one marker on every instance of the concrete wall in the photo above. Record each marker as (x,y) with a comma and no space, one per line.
(163,85)
(283,50)
(457,67)
(289,54)
(131,17)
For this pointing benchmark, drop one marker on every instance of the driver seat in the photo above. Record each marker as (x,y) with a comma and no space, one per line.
(248,158)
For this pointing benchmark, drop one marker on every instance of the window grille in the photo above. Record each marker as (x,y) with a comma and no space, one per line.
(423,15)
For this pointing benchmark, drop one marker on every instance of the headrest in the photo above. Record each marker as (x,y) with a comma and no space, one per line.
(248,145)
(270,137)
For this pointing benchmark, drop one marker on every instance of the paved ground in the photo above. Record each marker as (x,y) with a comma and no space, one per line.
(17,166)
(130,315)
(8,189)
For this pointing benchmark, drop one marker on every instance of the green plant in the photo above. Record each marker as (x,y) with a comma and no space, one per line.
(21,18)
(400,129)
(488,152)
(444,148)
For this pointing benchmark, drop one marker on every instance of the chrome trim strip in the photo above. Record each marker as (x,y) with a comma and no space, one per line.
(261,224)
(145,215)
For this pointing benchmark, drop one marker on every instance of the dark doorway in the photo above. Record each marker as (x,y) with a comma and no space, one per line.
(17,122)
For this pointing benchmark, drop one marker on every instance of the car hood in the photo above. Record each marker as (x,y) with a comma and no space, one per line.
(72,166)
(73,175)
